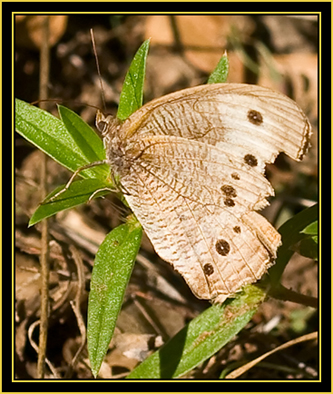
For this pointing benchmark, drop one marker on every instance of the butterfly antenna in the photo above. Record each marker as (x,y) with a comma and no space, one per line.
(98,69)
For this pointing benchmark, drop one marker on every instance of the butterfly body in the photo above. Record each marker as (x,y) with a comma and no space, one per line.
(192,165)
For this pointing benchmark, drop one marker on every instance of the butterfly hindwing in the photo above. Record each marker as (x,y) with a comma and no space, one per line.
(215,251)
(191,204)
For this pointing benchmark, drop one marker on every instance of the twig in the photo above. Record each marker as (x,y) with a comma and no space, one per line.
(43,83)
(35,347)
(239,371)
(76,306)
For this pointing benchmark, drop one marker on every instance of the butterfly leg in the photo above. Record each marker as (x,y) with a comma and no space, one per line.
(100,190)
(119,188)
(85,167)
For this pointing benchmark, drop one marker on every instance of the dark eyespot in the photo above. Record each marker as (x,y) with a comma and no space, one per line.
(255,117)
(251,160)
(229,191)
(237,229)
(208,269)
(229,202)
(222,247)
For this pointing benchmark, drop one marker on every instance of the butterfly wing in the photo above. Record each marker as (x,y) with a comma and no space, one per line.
(249,118)
(197,213)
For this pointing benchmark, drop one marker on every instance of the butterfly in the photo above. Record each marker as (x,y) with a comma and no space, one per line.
(191,166)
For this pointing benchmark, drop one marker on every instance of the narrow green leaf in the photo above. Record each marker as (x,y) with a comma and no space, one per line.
(220,74)
(112,270)
(78,193)
(132,91)
(51,136)
(201,338)
(84,136)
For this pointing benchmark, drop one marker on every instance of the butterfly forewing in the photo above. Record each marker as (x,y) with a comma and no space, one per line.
(250,118)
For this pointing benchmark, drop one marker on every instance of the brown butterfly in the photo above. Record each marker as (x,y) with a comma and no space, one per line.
(191,166)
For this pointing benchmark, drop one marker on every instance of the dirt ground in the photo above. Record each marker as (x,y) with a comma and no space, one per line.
(280,52)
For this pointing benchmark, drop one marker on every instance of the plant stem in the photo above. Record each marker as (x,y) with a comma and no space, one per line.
(282,293)
(43,327)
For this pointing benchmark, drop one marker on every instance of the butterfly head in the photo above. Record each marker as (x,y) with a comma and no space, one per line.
(106,124)
(115,147)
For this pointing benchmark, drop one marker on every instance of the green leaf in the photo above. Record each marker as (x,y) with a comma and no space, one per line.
(112,270)
(70,142)
(311,229)
(308,246)
(86,139)
(78,193)
(201,338)
(220,74)
(132,92)
(291,232)
(50,135)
